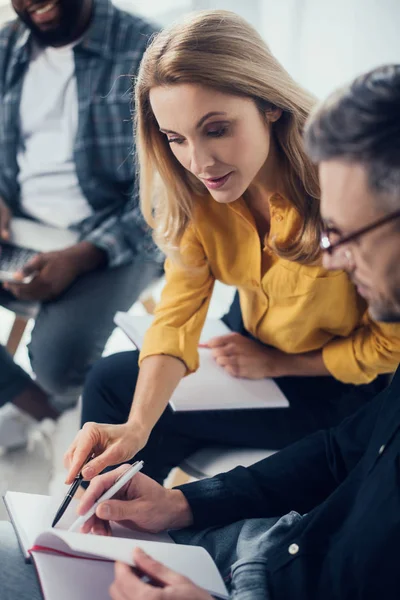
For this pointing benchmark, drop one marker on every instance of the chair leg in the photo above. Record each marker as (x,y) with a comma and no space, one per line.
(16,333)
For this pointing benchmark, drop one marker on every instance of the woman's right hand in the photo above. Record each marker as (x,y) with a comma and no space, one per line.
(111,444)
(142,504)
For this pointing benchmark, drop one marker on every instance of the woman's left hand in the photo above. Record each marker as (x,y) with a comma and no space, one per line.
(170,585)
(243,357)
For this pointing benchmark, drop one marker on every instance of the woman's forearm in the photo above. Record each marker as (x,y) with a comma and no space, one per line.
(306,364)
(158,377)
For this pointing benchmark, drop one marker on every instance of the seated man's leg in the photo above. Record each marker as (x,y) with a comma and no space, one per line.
(18,580)
(70,332)
(13,379)
(241,550)
(17,388)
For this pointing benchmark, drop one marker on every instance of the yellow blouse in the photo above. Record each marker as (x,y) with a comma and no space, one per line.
(292,307)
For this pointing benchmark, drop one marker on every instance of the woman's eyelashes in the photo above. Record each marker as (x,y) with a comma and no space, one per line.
(217,131)
(175,140)
(213,131)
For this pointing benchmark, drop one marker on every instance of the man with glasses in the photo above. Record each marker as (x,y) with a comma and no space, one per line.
(338,489)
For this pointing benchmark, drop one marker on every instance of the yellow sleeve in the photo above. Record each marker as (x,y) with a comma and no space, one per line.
(371,349)
(180,315)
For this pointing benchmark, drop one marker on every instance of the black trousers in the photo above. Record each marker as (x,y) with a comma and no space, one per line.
(315,403)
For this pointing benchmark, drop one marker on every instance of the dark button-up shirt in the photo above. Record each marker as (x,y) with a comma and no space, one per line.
(106,57)
(346,481)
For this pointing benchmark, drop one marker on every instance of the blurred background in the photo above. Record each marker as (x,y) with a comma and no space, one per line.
(322,43)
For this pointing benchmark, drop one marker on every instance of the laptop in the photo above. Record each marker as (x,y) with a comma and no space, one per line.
(28,238)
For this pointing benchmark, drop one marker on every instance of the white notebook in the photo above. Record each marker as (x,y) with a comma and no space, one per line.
(211,387)
(78,566)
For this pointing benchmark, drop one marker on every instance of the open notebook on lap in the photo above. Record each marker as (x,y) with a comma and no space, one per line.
(27,238)
(78,566)
(210,388)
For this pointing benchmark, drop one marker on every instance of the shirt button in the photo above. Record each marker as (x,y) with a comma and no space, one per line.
(279,218)
(381,449)
(254,282)
(293,549)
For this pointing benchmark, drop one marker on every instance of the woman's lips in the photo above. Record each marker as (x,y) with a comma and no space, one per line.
(217,182)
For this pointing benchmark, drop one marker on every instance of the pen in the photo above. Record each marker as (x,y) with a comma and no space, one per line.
(70,494)
(118,484)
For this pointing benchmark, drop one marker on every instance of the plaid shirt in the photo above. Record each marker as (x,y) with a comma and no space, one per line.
(109,52)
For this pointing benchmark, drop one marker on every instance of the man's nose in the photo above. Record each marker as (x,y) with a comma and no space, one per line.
(339,260)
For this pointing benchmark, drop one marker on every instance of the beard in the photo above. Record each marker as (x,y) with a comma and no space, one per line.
(63,32)
(386,312)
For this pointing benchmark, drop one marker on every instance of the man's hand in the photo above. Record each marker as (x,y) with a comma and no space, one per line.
(243,357)
(54,272)
(141,504)
(5,218)
(170,585)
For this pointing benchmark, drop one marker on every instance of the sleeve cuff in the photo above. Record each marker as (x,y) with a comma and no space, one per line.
(116,255)
(340,360)
(214,501)
(171,341)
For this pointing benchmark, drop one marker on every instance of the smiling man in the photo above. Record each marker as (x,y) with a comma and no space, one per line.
(57,22)
(66,161)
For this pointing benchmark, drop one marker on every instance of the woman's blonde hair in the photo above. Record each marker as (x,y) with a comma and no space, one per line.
(220,50)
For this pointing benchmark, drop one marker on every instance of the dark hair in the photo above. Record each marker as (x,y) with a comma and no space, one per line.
(361,123)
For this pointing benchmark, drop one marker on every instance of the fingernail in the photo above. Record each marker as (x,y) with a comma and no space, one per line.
(104,510)
(142,552)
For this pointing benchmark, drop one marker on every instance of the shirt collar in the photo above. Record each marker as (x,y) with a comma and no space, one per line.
(96,39)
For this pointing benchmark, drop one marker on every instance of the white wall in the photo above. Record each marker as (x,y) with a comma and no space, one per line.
(324,43)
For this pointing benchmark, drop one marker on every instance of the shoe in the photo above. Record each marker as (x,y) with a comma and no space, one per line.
(41,433)
(14,428)
(19,430)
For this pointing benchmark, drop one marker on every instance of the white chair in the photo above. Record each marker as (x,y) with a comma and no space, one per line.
(216,459)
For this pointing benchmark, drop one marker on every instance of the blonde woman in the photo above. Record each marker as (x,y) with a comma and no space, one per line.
(218,128)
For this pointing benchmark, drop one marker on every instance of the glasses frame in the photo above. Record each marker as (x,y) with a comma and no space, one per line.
(327,246)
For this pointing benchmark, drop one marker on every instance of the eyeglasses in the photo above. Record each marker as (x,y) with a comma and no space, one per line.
(331,239)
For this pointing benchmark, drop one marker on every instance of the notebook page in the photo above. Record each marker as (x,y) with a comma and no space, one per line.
(32,514)
(63,578)
(192,561)
(210,388)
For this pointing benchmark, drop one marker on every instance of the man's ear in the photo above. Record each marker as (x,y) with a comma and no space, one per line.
(273,114)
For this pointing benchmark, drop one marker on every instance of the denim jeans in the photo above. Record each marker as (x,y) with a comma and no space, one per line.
(18,580)
(240,551)
(71,331)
